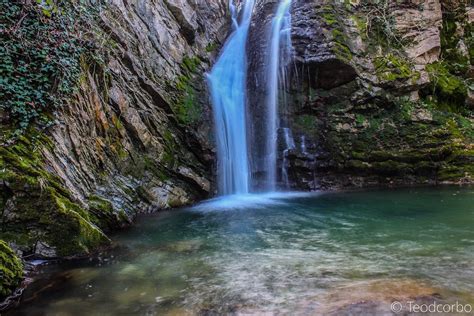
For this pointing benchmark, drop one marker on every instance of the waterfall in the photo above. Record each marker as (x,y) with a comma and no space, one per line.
(279,52)
(227,82)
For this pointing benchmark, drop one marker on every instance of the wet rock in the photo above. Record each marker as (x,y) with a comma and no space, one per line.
(422,115)
(44,250)
(11,273)
(186,17)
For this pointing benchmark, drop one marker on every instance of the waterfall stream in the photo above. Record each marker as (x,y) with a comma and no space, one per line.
(227,83)
(280,51)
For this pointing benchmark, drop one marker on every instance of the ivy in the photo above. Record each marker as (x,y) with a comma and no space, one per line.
(40,53)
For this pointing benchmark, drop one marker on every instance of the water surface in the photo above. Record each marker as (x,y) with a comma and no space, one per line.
(279,254)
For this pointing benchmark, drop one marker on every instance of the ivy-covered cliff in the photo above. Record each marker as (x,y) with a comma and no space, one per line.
(381,92)
(104,114)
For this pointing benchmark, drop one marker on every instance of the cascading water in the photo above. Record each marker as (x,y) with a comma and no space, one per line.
(279,54)
(227,82)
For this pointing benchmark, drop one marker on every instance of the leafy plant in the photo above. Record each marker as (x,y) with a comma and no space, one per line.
(40,52)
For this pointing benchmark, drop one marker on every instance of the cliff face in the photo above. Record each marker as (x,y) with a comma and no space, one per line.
(380,93)
(135,136)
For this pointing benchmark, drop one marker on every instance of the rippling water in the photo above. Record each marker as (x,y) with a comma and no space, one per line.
(277,254)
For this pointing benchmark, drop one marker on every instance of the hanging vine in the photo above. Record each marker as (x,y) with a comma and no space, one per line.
(40,53)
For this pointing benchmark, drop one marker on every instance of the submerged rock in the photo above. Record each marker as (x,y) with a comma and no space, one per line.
(184,246)
(372,297)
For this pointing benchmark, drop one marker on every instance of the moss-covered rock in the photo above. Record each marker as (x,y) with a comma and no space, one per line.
(11,270)
(36,206)
(405,117)
(104,215)
(391,67)
(451,90)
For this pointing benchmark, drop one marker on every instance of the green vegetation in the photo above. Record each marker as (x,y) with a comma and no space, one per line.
(380,24)
(391,68)
(361,23)
(406,139)
(187,108)
(211,47)
(340,48)
(11,270)
(450,38)
(103,214)
(307,123)
(450,90)
(62,223)
(40,53)
(329,16)
(469,40)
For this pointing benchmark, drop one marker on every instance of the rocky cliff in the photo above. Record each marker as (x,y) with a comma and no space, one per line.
(132,135)
(381,92)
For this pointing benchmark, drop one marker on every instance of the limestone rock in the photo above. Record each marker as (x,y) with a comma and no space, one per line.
(419,26)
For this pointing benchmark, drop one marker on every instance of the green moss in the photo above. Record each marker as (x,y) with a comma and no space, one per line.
(469,40)
(306,123)
(72,229)
(450,37)
(44,210)
(393,144)
(340,48)
(450,90)
(447,83)
(357,165)
(391,68)
(187,108)
(454,173)
(100,205)
(406,108)
(104,215)
(361,24)
(191,63)
(211,47)
(168,158)
(11,270)
(391,168)
(329,19)
(151,165)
